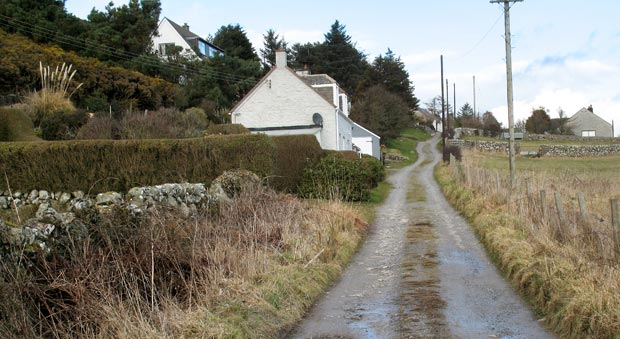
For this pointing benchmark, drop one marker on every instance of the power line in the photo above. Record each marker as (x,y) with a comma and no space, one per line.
(119,54)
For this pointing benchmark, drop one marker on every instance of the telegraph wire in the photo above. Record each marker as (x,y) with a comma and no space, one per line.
(119,54)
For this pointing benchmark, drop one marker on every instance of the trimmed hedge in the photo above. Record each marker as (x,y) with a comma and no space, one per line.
(226,129)
(293,154)
(15,125)
(294,164)
(117,165)
(336,177)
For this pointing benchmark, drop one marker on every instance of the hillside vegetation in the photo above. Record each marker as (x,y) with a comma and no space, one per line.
(102,84)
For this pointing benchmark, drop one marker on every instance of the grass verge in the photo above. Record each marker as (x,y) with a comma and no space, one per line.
(567,282)
(366,210)
(405,145)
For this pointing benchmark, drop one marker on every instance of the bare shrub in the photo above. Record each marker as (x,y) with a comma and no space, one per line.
(99,128)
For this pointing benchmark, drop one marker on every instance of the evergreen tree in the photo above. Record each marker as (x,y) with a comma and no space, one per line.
(271,43)
(466,111)
(390,71)
(381,112)
(124,29)
(233,40)
(43,21)
(336,56)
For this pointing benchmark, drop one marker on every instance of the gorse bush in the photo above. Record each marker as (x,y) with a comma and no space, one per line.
(335,177)
(114,85)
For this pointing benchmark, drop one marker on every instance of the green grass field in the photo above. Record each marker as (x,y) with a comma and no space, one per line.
(405,145)
(604,166)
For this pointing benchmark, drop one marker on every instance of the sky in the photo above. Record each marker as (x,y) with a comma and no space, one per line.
(565,54)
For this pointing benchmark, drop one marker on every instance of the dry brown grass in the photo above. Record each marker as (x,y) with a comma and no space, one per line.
(567,269)
(246,272)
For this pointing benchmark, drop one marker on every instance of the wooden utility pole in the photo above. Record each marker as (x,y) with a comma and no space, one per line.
(443,116)
(511,122)
(448,107)
(454,101)
(475,112)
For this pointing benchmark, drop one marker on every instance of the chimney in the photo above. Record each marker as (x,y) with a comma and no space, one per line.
(186,26)
(590,109)
(280,58)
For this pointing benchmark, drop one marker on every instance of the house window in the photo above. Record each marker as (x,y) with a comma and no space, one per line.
(166,48)
(206,50)
(589,133)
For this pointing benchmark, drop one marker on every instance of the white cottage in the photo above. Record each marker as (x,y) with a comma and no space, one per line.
(171,37)
(285,102)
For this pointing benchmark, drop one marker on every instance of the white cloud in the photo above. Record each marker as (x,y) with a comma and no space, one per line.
(300,36)
(421,58)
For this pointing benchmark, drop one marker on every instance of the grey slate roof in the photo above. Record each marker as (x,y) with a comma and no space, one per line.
(189,36)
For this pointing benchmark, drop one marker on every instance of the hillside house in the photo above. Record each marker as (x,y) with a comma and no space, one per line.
(172,38)
(286,102)
(585,123)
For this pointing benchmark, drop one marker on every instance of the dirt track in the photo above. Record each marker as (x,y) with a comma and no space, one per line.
(420,274)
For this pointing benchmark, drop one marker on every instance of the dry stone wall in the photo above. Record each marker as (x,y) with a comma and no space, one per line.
(57,211)
(579,150)
(483,146)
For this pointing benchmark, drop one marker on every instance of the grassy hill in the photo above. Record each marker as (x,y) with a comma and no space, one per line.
(15,125)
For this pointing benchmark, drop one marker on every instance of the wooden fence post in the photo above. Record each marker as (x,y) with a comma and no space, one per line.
(499,182)
(561,214)
(583,212)
(615,223)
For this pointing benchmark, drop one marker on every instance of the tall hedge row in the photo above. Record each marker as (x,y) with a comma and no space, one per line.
(294,154)
(117,165)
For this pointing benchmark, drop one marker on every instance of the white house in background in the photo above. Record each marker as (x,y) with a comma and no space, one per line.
(171,36)
(285,102)
(585,123)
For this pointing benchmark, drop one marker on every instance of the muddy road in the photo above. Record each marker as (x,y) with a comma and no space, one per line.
(420,274)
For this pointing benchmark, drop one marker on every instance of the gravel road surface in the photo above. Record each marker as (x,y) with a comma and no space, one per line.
(421,273)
